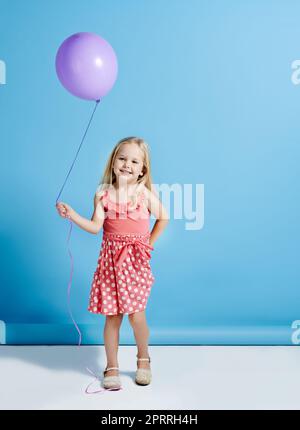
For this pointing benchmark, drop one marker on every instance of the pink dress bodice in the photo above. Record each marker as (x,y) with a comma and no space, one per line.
(126,218)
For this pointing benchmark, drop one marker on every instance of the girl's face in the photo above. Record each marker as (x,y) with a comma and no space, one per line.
(128,165)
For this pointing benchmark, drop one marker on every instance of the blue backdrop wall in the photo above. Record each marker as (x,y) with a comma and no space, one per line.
(210,86)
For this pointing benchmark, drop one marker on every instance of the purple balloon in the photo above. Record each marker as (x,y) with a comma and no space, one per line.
(86,65)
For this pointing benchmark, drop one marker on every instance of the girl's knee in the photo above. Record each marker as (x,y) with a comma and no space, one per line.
(136,317)
(114,319)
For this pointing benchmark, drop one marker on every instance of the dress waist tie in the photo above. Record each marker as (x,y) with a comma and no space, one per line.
(140,246)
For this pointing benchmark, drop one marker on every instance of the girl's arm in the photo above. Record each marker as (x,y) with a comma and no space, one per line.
(162,217)
(91,226)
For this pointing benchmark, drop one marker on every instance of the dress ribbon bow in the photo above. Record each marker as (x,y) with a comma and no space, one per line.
(122,252)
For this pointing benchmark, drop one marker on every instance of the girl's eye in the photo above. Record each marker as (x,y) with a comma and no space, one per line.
(121,158)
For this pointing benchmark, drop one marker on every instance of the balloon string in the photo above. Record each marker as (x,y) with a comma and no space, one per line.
(70,312)
(70,282)
(72,261)
(99,391)
(88,126)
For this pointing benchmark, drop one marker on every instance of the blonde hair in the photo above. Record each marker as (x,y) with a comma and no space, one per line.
(109,177)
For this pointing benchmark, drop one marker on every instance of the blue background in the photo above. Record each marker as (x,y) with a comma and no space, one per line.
(208,85)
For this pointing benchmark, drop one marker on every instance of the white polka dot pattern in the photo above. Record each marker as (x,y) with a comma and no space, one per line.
(123,288)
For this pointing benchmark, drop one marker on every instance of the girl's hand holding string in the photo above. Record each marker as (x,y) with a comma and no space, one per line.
(64,210)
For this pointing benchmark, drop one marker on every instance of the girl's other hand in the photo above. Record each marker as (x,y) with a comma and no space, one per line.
(64,210)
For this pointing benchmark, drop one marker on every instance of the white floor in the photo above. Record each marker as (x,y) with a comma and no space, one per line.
(184,377)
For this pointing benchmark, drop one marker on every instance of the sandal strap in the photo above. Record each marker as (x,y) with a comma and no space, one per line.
(144,359)
(111,368)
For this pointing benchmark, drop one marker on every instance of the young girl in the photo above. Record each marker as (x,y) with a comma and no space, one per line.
(123,278)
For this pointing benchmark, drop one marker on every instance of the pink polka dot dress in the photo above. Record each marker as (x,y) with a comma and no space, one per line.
(123,278)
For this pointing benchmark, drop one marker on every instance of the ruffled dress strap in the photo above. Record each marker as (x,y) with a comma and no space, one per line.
(133,205)
(142,196)
(139,203)
(102,195)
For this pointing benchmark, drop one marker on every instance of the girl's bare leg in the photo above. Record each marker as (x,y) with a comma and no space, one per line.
(141,334)
(111,340)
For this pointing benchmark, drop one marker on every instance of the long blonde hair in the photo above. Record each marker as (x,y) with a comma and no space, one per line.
(109,177)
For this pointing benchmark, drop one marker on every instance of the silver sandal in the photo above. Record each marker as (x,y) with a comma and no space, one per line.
(113,382)
(143,376)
